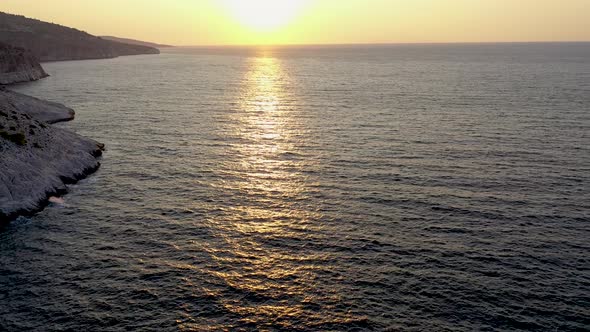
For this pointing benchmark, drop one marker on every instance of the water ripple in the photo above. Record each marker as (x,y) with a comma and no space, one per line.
(398,188)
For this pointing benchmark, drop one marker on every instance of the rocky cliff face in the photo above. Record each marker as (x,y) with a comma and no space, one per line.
(18,65)
(52,42)
(38,160)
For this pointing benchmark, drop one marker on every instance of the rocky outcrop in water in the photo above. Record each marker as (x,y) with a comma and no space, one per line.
(52,42)
(38,109)
(38,160)
(18,65)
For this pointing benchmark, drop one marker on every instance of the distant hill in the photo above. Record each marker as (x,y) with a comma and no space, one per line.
(134,42)
(53,42)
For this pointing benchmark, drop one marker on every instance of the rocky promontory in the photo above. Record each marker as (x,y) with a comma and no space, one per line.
(18,65)
(38,109)
(38,160)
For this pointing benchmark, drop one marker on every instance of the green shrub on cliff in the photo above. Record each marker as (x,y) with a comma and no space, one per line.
(17,138)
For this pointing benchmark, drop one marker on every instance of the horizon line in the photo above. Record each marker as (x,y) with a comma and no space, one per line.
(383,43)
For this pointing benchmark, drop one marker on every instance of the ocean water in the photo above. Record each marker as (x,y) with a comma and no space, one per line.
(341,188)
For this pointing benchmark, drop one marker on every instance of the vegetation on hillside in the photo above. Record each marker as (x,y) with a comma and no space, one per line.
(53,42)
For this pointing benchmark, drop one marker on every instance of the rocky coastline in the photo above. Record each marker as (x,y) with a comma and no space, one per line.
(37,160)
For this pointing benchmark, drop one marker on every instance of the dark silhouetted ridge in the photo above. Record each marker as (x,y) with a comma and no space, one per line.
(53,42)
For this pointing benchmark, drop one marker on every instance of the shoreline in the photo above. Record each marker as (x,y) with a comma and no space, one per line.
(39,160)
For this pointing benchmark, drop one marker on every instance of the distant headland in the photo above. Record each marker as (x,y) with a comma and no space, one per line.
(135,42)
(53,42)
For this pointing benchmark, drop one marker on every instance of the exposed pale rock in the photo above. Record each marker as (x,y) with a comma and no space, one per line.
(37,160)
(41,110)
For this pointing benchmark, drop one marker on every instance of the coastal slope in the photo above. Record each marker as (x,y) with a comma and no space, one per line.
(38,160)
(53,42)
(18,65)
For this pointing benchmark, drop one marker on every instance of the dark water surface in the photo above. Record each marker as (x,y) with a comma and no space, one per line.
(409,187)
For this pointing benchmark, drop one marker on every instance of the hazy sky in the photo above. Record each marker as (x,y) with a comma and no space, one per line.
(194,22)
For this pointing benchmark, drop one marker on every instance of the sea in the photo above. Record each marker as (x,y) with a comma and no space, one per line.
(418,187)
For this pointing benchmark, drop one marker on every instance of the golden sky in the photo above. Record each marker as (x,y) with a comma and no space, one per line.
(212,22)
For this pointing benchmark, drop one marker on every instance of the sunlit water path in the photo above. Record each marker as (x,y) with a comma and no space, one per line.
(322,188)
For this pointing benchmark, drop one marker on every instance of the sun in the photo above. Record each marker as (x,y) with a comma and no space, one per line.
(264,14)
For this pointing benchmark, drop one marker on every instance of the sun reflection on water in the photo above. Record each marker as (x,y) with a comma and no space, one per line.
(263,265)
(261,281)
(267,131)
(264,103)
